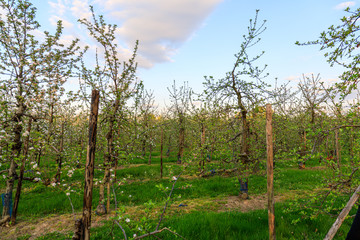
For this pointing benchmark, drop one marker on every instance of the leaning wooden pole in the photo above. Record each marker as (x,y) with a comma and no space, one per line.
(89,167)
(335,227)
(270,172)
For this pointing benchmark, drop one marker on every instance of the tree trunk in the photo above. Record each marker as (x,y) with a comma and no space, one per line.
(169,146)
(161,153)
(60,155)
(245,137)
(337,145)
(202,143)
(150,148)
(16,150)
(181,140)
(22,169)
(108,158)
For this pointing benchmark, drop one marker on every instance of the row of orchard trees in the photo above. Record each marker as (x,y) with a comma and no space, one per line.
(224,123)
(37,119)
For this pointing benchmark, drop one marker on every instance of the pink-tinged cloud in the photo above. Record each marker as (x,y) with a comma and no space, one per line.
(161,26)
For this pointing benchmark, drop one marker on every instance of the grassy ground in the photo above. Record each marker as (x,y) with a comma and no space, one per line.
(212,208)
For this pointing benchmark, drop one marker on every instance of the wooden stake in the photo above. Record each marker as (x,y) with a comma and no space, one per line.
(335,227)
(270,173)
(89,167)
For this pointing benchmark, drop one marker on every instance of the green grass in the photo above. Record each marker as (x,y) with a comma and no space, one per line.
(201,225)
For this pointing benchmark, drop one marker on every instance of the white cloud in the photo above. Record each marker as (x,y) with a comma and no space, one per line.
(344,5)
(161,26)
(58,6)
(80,9)
(66,24)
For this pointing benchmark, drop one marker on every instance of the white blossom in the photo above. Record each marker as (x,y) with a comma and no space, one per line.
(26,134)
(127,220)
(67,194)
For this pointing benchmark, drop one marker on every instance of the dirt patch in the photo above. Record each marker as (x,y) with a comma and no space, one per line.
(316,168)
(235,203)
(41,226)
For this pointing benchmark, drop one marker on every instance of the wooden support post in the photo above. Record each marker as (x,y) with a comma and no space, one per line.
(161,152)
(89,167)
(335,227)
(270,172)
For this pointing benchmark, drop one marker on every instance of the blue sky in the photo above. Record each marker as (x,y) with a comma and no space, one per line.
(184,40)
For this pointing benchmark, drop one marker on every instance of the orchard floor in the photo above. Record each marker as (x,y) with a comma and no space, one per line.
(35,228)
(201,207)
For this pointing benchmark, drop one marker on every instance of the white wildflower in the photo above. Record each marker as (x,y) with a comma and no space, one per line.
(53,184)
(127,220)
(174,178)
(67,194)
